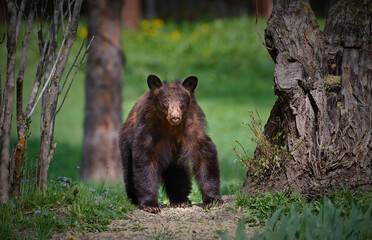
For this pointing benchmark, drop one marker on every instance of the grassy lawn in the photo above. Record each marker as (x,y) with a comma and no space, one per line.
(234,70)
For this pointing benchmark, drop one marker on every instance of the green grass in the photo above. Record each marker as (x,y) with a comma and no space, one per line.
(234,70)
(260,208)
(66,204)
(345,215)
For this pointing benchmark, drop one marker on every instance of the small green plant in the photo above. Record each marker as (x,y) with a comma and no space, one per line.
(270,153)
(261,207)
(239,233)
(328,223)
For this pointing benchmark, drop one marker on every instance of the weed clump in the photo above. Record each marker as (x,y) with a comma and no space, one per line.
(270,154)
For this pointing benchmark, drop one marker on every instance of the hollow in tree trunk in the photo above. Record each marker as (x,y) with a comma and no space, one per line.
(323,81)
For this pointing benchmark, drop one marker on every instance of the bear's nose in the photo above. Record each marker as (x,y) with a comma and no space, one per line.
(176,119)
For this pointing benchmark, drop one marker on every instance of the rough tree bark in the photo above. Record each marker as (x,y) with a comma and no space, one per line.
(131,14)
(103,115)
(7,108)
(49,109)
(323,81)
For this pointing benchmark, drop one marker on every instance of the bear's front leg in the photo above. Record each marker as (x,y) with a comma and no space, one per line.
(147,181)
(207,173)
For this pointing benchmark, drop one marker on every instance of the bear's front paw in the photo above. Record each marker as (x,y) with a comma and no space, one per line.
(150,209)
(182,204)
(213,202)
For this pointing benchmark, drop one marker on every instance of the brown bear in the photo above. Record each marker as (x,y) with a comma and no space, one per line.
(163,135)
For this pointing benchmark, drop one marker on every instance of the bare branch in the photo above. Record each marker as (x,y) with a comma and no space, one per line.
(48,80)
(19,18)
(69,9)
(62,17)
(72,66)
(39,74)
(77,69)
(25,45)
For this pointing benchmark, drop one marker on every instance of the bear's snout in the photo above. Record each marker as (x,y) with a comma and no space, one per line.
(175,120)
(174,115)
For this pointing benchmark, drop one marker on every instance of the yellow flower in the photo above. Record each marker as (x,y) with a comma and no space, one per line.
(71,237)
(83,32)
(175,35)
(205,27)
(157,22)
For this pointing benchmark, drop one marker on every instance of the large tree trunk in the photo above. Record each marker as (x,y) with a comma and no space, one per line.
(103,115)
(131,14)
(323,81)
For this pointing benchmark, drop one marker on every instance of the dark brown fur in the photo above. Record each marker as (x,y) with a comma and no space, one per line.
(163,134)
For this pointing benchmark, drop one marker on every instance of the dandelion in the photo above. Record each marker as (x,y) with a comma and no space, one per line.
(37,212)
(71,237)
(175,35)
(205,27)
(83,32)
(157,22)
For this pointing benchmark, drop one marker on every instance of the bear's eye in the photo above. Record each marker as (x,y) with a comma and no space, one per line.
(182,103)
(165,103)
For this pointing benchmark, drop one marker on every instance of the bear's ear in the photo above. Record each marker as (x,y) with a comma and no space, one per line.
(190,83)
(154,82)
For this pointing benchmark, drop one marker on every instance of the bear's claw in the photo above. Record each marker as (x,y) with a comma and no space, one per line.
(212,203)
(151,209)
(184,204)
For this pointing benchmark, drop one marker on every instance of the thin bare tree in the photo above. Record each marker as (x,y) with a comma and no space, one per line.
(52,63)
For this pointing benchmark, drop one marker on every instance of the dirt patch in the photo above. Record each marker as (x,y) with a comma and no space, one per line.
(173,223)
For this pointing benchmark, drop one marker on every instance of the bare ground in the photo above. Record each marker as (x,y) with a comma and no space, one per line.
(172,223)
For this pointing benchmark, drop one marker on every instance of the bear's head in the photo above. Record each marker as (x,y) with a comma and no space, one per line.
(172,99)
